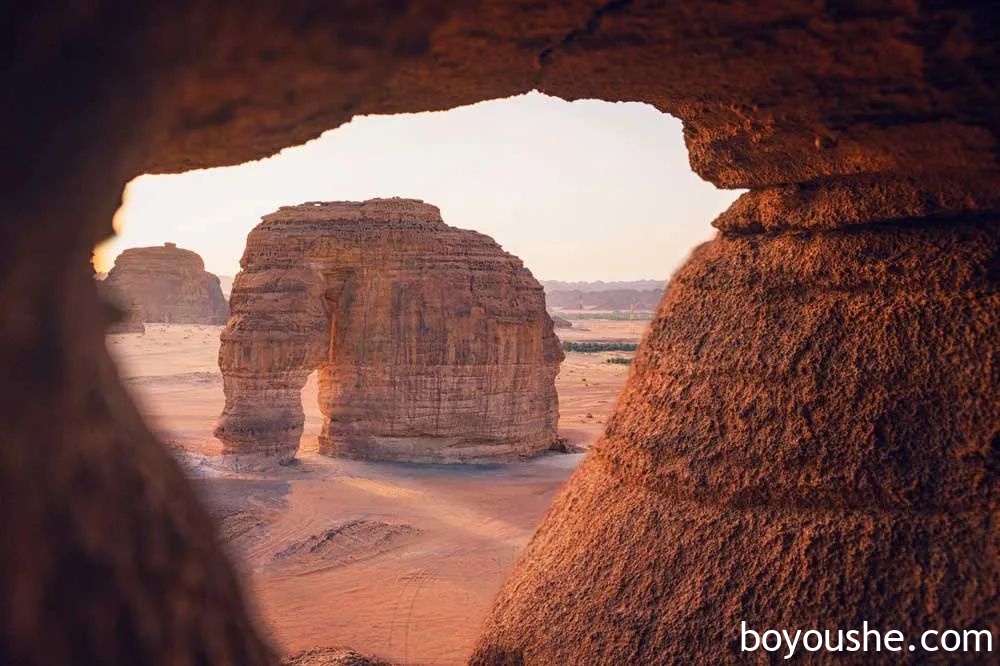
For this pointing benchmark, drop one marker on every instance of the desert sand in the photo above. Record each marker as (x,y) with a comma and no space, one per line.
(394,559)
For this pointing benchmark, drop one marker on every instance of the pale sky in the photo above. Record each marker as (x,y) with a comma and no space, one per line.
(586,190)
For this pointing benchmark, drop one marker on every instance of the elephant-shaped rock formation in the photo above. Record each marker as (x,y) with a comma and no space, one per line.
(432,344)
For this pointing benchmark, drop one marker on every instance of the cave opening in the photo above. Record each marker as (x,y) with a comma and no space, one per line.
(592,195)
(598,197)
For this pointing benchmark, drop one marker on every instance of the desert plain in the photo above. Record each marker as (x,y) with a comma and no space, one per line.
(399,560)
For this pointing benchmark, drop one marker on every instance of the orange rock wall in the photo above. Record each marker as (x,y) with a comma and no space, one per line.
(823,455)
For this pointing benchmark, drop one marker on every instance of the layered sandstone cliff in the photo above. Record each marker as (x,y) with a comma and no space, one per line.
(168,284)
(432,343)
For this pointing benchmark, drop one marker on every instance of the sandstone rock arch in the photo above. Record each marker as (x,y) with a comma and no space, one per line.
(868,138)
(432,343)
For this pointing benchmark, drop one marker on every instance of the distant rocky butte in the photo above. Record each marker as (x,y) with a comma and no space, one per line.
(552,286)
(432,343)
(615,299)
(170,284)
(632,295)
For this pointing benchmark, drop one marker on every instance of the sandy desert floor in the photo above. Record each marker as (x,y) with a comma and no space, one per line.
(392,559)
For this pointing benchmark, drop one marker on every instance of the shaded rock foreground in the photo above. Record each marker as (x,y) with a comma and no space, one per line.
(168,284)
(730,485)
(432,343)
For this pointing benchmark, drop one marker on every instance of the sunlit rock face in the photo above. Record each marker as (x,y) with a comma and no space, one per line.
(432,343)
(168,284)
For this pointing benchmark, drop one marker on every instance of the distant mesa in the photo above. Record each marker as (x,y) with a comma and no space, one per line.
(169,284)
(552,286)
(642,295)
(559,322)
(432,343)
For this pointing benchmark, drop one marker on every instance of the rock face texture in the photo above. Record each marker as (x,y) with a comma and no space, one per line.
(432,343)
(168,284)
(867,135)
(730,486)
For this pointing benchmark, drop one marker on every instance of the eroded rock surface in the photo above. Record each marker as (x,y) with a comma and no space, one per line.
(730,485)
(169,284)
(432,343)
